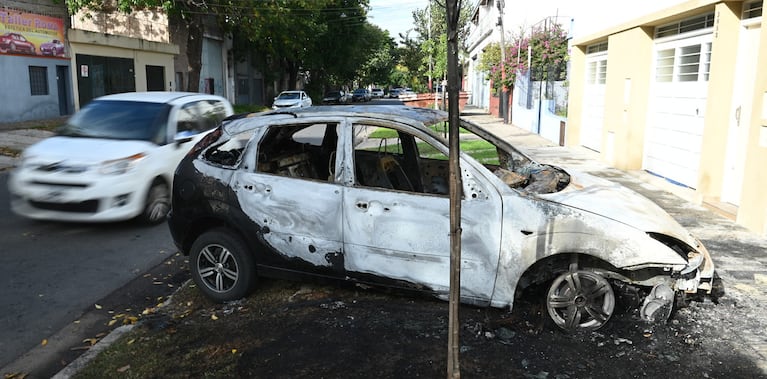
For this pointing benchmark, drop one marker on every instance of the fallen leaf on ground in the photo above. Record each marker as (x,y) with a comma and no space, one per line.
(45,342)
(91,341)
(124,368)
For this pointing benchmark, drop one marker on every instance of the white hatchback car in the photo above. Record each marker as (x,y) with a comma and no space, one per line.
(114,159)
(292,99)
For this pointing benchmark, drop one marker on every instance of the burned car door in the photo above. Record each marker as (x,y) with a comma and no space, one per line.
(397,215)
(293,199)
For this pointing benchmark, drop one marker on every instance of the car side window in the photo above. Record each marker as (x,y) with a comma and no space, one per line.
(306,151)
(392,159)
(199,116)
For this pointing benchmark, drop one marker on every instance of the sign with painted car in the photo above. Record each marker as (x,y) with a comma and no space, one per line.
(31,34)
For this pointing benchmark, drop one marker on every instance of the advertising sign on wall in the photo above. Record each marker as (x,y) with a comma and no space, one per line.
(29,33)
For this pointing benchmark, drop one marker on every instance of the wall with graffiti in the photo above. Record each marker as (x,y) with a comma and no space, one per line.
(32,34)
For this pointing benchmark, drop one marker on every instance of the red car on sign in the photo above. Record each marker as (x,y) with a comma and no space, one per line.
(16,43)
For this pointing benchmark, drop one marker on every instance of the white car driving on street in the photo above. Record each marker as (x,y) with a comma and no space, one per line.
(114,159)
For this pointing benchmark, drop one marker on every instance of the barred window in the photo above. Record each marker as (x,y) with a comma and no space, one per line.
(38,80)
(752,10)
(686,25)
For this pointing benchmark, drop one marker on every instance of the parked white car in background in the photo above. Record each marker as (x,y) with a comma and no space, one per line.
(115,158)
(292,99)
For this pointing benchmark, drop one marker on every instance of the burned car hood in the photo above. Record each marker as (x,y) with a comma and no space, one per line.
(614,201)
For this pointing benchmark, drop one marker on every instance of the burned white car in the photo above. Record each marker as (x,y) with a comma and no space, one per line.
(360,194)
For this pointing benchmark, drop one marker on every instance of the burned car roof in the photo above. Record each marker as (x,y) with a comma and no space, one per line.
(423,115)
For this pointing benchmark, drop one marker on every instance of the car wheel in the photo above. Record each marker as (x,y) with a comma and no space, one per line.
(221,266)
(157,203)
(580,301)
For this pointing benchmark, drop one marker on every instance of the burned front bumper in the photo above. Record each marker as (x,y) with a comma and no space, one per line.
(697,278)
(698,275)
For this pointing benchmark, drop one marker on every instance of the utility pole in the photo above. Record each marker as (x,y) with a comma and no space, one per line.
(504,91)
(452,10)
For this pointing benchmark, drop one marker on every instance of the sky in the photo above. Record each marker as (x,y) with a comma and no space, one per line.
(396,16)
(588,16)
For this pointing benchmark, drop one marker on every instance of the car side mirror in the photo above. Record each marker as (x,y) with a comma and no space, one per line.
(183,137)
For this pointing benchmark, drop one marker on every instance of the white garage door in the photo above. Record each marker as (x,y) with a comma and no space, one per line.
(594,100)
(678,108)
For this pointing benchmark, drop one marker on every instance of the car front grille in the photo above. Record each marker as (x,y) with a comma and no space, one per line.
(88,206)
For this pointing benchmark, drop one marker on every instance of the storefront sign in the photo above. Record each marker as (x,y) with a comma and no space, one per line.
(33,34)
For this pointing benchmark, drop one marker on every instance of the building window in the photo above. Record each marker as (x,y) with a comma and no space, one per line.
(689,63)
(752,9)
(664,71)
(686,25)
(596,48)
(597,72)
(38,80)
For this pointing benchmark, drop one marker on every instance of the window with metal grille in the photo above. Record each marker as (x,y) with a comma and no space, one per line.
(686,25)
(38,80)
(596,48)
(597,72)
(689,63)
(752,9)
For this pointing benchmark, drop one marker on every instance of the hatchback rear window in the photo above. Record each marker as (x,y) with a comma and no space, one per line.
(128,120)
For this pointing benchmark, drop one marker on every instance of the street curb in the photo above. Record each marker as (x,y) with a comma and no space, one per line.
(83,360)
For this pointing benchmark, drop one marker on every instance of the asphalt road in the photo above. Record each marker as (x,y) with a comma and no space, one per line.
(55,274)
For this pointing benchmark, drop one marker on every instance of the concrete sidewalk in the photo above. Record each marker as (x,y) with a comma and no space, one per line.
(13,142)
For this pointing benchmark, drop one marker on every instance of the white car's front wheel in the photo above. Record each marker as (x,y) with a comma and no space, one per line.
(580,301)
(157,203)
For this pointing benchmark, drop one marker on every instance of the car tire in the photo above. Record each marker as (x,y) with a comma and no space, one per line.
(580,301)
(221,265)
(157,203)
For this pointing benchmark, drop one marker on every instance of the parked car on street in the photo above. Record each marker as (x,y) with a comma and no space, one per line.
(53,47)
(292,99)
(114,159)
(360,193)
(361,95)
(335,97)
(377,93)
(16,43)
(394,93)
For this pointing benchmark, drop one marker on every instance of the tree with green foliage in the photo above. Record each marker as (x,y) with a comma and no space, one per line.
(430,23)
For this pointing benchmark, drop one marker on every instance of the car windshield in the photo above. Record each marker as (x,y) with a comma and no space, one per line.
(288,96)
(332,94)
(125,120)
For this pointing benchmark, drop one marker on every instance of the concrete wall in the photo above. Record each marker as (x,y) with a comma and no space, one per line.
(753,212)
(148,25)
(629,74)
(141,51)
(15,95)
(628,96)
